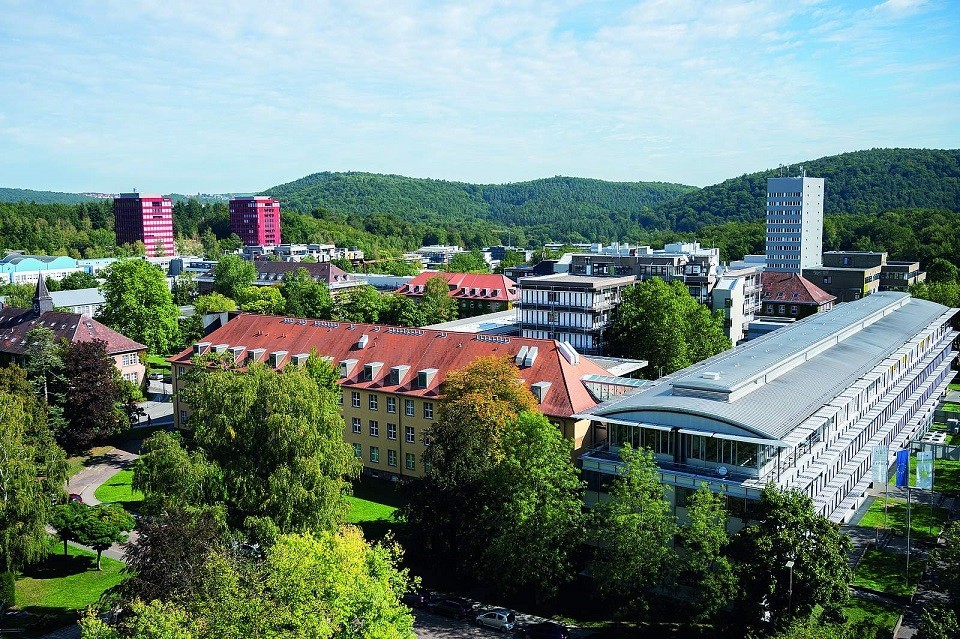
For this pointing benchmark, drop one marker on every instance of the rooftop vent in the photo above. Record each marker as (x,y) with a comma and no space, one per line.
(398,374)
(371,370)
(363,341)
(531,356)
(521,354)
(346,367)
(710,375)
(300,359)
(425,377)
(539,390)
(569,353)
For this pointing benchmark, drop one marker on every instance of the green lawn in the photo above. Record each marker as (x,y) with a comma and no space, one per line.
(883,613)
(118,490)
(54,590)
(77,463)
(884,572)
(946,475)
(362,510)
(158,363)
(924,526)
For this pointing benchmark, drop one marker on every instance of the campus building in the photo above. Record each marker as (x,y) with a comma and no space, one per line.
(476,293)
(791,295)
(20,268)
(794,223)
(801,408)
(140,217)
(850,275)
(571,308)
(255,220)
(272,274)
(737,295)
(391,377)
(128,356)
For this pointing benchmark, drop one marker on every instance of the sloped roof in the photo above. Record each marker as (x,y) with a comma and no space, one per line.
(466,285)
(792,288)
(15,323)
(420,349)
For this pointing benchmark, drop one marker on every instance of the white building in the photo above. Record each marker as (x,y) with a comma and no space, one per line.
(794,223)
(737,293)
(570,308)
(802,408)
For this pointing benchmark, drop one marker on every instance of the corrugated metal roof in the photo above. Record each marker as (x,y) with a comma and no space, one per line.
(778,406)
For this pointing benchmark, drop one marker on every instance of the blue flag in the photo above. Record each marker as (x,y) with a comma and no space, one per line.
(903,468)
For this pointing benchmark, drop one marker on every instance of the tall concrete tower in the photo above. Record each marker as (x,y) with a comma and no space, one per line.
(794,223)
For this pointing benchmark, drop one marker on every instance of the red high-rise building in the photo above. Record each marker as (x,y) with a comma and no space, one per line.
(145,218)
(256,220)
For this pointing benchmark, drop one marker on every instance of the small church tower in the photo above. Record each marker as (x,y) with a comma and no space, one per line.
(42,301)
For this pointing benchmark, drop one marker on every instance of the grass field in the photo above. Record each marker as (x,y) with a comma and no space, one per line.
(884,572)
(76,463)
(924,526)
(362,510)
(118,490)
(54,590)
(883,613)
(946,475)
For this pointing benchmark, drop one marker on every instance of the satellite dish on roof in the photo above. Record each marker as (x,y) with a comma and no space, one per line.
(722,471)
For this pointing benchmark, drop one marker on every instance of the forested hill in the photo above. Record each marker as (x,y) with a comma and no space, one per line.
(860,182)
(571,208)
(42,197)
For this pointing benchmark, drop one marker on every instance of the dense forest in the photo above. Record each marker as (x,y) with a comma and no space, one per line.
(905,201)
(42,197)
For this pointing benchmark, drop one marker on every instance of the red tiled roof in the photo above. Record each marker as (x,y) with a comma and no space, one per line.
(792,288)
(15,323)
(466,286)
(420,349)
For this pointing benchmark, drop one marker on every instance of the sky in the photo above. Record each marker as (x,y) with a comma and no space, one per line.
(215,97)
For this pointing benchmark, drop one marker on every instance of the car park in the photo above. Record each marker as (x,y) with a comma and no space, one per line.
(499,619)
(543,630)
(454,607)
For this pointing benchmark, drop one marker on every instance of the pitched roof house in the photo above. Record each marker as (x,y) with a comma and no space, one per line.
(476,293)
(791,295)
(15,323)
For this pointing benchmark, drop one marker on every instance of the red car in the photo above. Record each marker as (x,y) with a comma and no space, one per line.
(75,498)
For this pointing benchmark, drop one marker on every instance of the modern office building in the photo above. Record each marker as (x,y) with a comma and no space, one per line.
(802,408)
(737,295)
(570,308)
(255,220)
(688,262)
(19,268)
(851,275)
(140,217)
(794,223)
(391,378)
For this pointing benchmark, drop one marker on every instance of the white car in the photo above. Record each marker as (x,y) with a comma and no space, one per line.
(499,619)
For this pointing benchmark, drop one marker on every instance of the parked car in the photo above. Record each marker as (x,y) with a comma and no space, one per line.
(418,598)
(155,376)
(499,619)
(454,607)
(75,498)
(543,630)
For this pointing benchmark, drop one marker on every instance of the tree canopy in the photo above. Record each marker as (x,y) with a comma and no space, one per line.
(138,304)
(232,275)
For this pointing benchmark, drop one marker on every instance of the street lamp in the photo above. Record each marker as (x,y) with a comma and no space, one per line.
(789,565)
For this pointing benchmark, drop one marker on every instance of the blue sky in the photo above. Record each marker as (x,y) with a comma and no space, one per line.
(181,96)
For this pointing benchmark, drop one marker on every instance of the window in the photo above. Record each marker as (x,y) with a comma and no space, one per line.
(356,425)
(181,370)
(391,431)
(372,401)
(391,457)
(183,416)
(355,398)
(130,359)
(410,435)
(374,428)
(411,461)
(408,407)
(781,309)
(553,297)
(428,410)
(793,310)
(826,279)
(340,398)
(357,451)
(391,404)
(374,454)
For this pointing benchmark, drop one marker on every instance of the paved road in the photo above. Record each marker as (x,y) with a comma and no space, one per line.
(430,626)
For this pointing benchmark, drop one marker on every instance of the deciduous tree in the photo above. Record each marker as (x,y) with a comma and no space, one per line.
(67,520)
(706,571)
(436,305)
(304,296)
(138,304)
(78,280)
(92,396)
(469,262)
(786,528)
(232,275)
(360,304)
(103,526)
(634,530)
(400,310)
(266,300)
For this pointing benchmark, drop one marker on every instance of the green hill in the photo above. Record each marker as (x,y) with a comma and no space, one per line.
(42,197)
(860,182)
(570,208)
